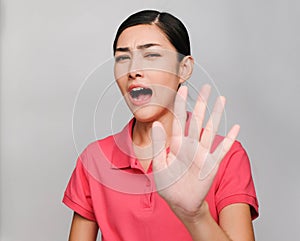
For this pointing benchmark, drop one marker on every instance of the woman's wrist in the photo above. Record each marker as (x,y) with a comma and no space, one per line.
(202,226)
(193,218)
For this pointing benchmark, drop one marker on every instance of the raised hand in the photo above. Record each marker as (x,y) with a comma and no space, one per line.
(183,176)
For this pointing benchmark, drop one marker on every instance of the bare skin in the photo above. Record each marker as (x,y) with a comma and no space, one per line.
(186,197)
(83,229)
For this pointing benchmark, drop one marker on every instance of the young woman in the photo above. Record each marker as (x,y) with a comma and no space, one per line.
(163,177)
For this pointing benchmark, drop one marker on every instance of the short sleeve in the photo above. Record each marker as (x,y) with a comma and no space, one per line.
(235,181)
(77,195)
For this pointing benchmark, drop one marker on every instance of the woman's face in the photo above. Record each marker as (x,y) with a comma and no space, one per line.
(146,70)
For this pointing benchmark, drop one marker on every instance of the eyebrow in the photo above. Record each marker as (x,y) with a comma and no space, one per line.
(144,46)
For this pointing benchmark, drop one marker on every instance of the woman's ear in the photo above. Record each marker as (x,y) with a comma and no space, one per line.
(186,67)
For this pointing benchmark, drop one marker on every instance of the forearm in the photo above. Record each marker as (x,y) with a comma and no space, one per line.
(83,229)
(204,227)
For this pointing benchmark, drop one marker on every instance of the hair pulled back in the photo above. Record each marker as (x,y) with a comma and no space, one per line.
(171,26)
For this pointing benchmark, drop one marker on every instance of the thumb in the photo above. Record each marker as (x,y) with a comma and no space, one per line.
(158,146)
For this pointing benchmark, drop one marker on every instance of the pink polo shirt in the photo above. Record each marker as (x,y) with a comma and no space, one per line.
(110,187)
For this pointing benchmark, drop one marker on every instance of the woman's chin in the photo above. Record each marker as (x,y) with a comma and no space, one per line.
(149,113)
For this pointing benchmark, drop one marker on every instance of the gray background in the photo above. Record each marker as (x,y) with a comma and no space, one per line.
(48,49)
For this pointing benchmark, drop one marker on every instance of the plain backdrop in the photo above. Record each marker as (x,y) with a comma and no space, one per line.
(58,94)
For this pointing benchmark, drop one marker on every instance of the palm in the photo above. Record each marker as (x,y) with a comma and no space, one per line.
(184,175)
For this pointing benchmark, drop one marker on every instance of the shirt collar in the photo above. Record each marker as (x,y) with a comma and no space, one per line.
(123,155)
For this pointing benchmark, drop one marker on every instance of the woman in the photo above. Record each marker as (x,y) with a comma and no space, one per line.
(162,177)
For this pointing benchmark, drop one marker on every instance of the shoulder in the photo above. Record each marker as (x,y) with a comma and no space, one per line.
(236,146)
(236,158)
(112,142)
(233,182)
(234,173)
(98,149)
(111,149)
(106,142)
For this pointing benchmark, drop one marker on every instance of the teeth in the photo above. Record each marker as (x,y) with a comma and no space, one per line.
(137,89)
(140,92)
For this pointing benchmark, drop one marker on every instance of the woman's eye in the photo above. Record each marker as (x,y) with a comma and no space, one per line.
(152,55)
(121,58)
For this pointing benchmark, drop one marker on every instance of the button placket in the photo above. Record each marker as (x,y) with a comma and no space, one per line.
(148,193)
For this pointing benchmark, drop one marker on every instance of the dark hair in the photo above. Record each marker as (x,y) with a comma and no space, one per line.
(171,26)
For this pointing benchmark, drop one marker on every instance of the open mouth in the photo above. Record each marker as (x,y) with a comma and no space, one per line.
(140,94)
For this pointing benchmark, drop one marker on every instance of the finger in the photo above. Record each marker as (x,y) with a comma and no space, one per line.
(226,143)
(158,145)
(199,112)
(211,164)
(212,125)
(180,112)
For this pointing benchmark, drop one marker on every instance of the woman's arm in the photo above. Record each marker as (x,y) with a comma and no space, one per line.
(236,221)
(184,175)
(83,229)
(235,224)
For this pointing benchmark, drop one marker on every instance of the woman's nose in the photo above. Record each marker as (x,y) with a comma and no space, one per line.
(135,68)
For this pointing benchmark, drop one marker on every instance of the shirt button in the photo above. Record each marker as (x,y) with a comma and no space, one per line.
(148,184)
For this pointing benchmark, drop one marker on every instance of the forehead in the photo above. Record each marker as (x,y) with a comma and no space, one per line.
(143,34)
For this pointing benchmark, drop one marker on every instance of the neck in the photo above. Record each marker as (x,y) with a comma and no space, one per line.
(141,136)
(142,130)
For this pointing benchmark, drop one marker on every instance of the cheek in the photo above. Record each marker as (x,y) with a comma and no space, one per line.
(120,70)
(121,82)
(164,96)
(121,79)
(167,79)
(165,87)
(164,66)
